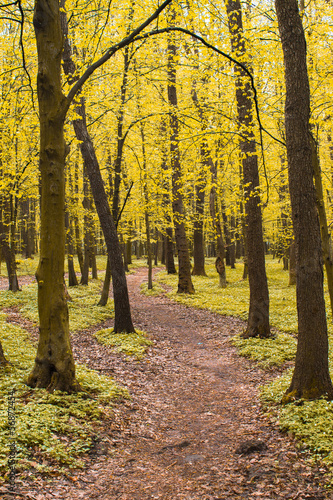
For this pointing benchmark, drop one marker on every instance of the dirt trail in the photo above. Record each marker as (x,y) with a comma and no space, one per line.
(194,402)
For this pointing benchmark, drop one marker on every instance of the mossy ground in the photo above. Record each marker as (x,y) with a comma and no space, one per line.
(131,344)
(311,422)
(54,431)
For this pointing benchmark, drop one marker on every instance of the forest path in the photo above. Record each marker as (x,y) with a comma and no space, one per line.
(194,401)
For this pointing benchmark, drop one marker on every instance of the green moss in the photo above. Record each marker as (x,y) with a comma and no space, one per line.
(52,430)
(268,352)
(83,309)
(132,344)
(156,290)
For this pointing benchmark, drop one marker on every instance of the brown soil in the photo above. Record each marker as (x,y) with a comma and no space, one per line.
(194,429)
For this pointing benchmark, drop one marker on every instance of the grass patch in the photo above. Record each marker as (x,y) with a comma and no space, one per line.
(131,344)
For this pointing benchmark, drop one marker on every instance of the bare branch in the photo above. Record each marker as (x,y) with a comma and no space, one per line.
(110,52)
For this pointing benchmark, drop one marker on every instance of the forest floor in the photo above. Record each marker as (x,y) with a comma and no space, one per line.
(194,413)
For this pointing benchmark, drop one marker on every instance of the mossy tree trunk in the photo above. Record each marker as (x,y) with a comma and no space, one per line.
(258,318)
(54,364)
(311,377)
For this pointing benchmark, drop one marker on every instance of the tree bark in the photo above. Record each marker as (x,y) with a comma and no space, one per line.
(324,230)
(123,319)
(185,284)
(258,319)
(311,377)
(54,364)
(72,279)
(220,246)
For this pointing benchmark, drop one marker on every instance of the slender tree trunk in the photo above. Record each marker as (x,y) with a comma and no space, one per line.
(258,319)
(106,285)
(220,247)
(123,319)
(72,279)
(54,364)
(7,242)
(147,221)
(198,236)
(325,234)
(184,266)
(311,377)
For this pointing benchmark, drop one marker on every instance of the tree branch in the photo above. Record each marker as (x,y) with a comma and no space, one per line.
(110,52)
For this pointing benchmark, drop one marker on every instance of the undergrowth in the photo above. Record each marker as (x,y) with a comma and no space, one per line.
(83,311)
(52,430)
(156,290)
(131,344)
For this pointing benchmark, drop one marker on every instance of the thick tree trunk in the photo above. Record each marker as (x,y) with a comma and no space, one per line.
(311,377)
(258,319)
(292,265)
(54,364)
(184,266)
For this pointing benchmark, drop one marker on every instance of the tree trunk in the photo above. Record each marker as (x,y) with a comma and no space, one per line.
(7,240)
(258,319)
(106,285)
(123,319)
(311,377)
(292,265)
(54,364)
(3,360)
(184,266)
(220,247)
(72,279)
(198,238)
(147,221)
(325,234)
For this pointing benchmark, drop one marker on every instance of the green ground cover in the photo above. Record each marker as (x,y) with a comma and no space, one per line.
(54,431)
(131,344)
(311,422)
